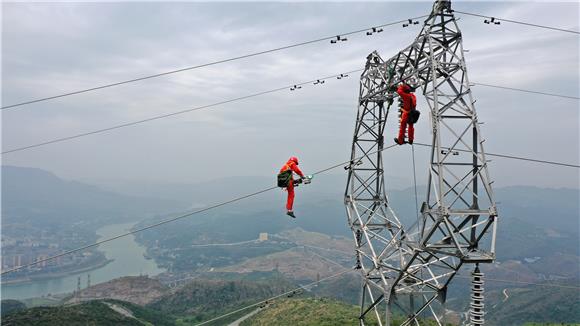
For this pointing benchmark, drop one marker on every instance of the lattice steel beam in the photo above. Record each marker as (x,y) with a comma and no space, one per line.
(410,268)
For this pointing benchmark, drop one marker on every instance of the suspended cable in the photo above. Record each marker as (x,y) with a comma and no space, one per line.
(496,21)
(372,29)
(491,279)
(526,283)
(162,116)
(334,37)
(292,87)
(510,157)
(172,219)
(275,297)
(528,91)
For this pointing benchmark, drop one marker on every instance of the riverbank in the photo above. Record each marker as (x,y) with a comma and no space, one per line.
(123,257)
(49,276)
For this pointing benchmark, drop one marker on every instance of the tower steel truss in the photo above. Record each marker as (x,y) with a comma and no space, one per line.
(407,270)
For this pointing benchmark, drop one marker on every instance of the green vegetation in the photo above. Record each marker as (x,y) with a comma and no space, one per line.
(43,302)
(204,299)
(298,312)
(8,306)
(89,313)
(558,306)
(551,324)
(312,312)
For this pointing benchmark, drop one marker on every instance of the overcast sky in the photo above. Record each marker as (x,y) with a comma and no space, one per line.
(50,48)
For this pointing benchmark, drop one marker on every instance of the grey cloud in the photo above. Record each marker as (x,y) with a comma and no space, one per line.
(95,43)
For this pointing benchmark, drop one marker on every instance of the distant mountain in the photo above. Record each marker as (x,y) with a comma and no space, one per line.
(40,197)
(205,193)
(557,209)
(533,304)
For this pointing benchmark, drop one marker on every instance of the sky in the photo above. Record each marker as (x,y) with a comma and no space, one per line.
(58,47)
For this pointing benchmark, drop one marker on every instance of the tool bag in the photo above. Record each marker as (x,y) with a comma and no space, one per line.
(284,178)
(414,116)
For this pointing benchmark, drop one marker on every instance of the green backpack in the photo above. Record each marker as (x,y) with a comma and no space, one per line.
(284,178)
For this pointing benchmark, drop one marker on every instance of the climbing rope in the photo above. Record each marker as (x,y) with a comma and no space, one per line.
(415,181)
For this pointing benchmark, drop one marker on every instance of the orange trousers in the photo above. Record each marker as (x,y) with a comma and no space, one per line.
(404,124)
(290,200)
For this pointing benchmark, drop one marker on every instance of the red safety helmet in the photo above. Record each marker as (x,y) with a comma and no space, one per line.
(293,159)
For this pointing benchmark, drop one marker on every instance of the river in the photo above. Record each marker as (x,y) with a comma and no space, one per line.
(128,260)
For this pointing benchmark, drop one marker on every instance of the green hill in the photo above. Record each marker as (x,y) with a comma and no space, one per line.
(204,299)
(8,306)
(311,312)
(534,304)
(96,313)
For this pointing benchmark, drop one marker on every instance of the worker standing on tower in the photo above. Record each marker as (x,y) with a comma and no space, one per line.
(285,180)
(409,114)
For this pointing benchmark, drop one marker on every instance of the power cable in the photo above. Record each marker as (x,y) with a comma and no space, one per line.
(509,156)
(172,219)
(486,278)
(138,230)
(374,28)
(528,91)
(526,283)
(517,22)
(207,64)
(292,87)
(351,270)
(275,297)
(98,131)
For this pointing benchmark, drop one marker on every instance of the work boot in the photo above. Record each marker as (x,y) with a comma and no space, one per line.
(291,213)
(397,141)
(410,141)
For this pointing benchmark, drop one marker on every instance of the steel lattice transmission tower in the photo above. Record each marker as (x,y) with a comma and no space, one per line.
(407,270)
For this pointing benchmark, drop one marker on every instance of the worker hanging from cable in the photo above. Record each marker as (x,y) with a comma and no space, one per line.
(409,113)
(286,181)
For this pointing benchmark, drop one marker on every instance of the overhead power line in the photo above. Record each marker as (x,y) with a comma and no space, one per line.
(333,39)
(352,270)
(510,157)
(525,283)
(167,115)
(292,87)
(372,28)
(275,297)
(230,202)
(169,220)
(528,91)
(461,275)
(497,20)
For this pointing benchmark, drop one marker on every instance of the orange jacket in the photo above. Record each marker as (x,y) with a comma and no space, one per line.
(291,165)
(409,99)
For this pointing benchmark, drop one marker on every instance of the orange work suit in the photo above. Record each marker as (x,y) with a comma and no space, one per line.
(291,165)
(409,103)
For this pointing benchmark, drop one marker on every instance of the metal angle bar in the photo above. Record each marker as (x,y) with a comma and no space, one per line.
(426,282)
(465,187)
(434,314)
(452,147)
(427,304)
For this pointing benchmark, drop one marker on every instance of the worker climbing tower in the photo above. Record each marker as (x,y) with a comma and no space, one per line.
(407,270)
